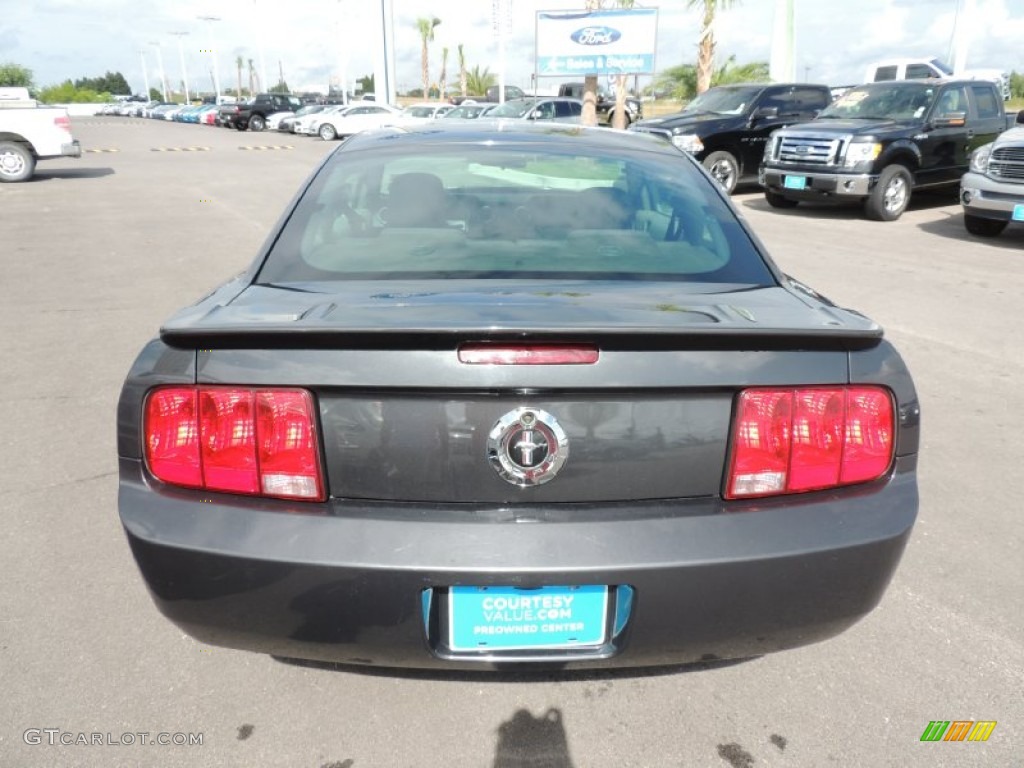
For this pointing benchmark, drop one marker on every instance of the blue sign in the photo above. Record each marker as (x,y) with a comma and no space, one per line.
(511,618)
(605,42)
(1018,213)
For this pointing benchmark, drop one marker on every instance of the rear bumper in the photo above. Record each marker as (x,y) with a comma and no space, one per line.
(368,584)
(981,196)
(819,185)
(72,149)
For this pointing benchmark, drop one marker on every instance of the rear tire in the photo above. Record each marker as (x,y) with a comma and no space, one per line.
(983,227)
(257,123)
(891,195)
(775,200)
(16,162)
(724,168)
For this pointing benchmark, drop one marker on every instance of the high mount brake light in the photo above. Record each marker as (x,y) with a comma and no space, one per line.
(483,353)
(235,440)
(791,440)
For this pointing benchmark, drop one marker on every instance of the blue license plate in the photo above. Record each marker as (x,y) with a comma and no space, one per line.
(1018,213)
(511,618)
(795,182)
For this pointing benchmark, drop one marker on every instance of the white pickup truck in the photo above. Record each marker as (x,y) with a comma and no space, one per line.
(29,133)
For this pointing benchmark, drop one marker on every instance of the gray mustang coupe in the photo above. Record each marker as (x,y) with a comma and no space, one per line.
(500,394)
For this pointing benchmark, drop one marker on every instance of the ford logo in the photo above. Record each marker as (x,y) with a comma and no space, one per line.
(595,35)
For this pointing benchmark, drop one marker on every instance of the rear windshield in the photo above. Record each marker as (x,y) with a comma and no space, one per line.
(512,211)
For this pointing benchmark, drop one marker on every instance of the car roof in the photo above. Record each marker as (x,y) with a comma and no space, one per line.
(488,130)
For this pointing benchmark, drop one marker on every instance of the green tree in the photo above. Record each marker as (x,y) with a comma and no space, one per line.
(754,72)
(155,95)
(679,82)
(1016,85)
(67,93)
(478,82)
(281,87)
(15,75)
(426,30)
(366,84)
(111,82)
(706,42)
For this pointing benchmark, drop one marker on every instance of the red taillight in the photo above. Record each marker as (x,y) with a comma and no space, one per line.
(528,354)
(63,122)
(235,440)
(172,436)
(793,440)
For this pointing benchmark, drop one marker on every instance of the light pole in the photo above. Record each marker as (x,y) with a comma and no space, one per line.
(145,74)
(181,57)
(213,53)
(160,63)
(260,35)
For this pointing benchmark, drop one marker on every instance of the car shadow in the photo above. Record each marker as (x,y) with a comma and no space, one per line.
(71,173)
(920,201)
(525,740)
(951,226)
(516,673)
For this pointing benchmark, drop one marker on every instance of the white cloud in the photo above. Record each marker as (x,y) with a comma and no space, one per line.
(835,39)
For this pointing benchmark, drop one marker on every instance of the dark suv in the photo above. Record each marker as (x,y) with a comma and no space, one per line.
(726,127)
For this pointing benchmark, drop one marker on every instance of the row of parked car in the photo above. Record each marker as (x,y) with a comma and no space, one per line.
(331,122)
(875,145)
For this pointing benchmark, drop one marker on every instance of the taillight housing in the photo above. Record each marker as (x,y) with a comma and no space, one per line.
(255,441)
(797,439)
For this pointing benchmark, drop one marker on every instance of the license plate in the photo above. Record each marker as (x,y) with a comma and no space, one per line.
(795,182)
(1018,213)
(511,618)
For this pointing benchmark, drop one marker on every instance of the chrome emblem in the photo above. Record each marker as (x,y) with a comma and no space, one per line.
(527,447)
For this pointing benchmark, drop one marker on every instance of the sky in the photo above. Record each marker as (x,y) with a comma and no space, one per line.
(313,41)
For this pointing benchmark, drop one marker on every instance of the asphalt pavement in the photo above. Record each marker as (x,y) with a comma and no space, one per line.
(95,253)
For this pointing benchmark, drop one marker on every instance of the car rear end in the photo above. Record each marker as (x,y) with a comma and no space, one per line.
(464,447)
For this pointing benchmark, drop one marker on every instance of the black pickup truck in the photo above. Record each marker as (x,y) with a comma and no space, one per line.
(880,141)
(253,114)
(727,127)
(605,103)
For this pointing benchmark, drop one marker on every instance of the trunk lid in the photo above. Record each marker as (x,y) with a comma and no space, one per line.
(402,419)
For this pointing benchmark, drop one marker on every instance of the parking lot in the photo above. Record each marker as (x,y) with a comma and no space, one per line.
(97,252)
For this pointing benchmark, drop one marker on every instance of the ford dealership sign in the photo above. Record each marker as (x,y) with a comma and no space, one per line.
(580,43)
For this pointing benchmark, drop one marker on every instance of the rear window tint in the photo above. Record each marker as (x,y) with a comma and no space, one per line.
(480,212)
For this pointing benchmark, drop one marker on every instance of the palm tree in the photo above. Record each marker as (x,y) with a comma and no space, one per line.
(706,46)
(239,63)
(426,28)
(478,82)
(443,89)
(589,116)
(754,72)
(619,116)
(462,71)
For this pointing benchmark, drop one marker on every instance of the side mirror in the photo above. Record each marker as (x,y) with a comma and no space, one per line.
(536,115)
(765,112)
(1020,117)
